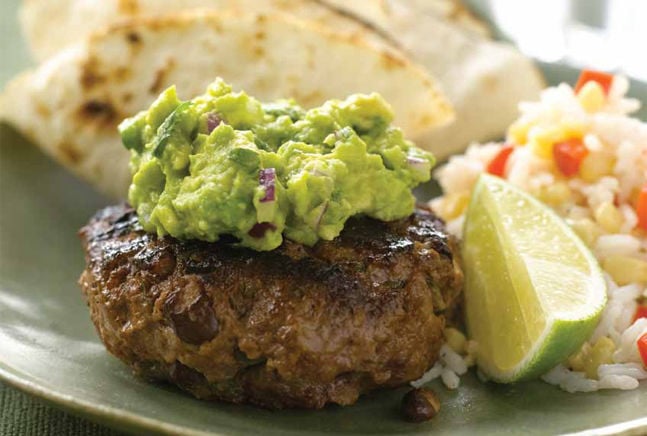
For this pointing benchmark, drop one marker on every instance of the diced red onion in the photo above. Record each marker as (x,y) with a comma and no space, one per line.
(259,229)
(213,121)
(267,179)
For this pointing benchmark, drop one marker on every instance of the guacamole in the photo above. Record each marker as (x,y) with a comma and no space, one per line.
(226,163)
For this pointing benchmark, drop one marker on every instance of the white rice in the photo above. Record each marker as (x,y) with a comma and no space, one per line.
(618,376)
(452,360)
(617,245)
(450,378)
(627,350)
(450,366)
(430,375)
(621,141)
(570,381)
(634,370)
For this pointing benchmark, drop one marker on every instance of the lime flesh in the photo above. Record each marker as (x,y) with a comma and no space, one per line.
(533,291)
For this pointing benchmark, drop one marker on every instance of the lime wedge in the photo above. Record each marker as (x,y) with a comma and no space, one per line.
(533,291)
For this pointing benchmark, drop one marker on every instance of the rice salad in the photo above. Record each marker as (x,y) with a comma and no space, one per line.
(578,151)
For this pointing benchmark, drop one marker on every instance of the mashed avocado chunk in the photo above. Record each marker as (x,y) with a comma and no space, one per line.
(225,163)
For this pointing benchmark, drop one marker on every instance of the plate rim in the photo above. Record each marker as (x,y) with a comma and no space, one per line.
(108,416)
(120,419)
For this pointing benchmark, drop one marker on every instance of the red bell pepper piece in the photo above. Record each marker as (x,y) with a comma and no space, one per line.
(642,348)
(497,164)
(569,155)
(641,208)
(604,80)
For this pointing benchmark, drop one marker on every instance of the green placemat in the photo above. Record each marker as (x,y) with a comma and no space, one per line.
(22,415)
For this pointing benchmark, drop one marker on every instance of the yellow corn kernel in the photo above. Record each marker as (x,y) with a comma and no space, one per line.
(471,347)
(591,356)
(554,194)
(455,339)
(572,129)
(596,165)
(600,353)
(541,141)
(608,217)
(587,230)
(518,132)
(576,361)
(541,148)
(591,96)
(454,205)
(625,269)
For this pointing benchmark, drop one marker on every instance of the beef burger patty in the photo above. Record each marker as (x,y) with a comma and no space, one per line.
(294,327)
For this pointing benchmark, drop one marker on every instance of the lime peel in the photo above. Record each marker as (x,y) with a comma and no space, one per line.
(534,292)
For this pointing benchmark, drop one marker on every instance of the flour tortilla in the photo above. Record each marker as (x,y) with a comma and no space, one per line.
(455,12)
(378,12)
(52,25)
(71,105)
(484,80)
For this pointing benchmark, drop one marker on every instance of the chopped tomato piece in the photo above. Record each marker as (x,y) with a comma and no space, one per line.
(569,155)
(641,208)
(642,348)
(604,80)
(497,165)
(641,312)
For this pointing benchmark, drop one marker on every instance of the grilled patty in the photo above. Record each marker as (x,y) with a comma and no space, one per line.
(295,327)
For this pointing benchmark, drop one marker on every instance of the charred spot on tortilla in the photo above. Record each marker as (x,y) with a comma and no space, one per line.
(100,112)
(90,76)
(70,152)
(391,61)
(121,73)
(128,7)
(133,37)
(159,80)
(260,35)
(43,110)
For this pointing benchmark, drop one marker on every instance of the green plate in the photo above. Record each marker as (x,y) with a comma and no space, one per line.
(49,349)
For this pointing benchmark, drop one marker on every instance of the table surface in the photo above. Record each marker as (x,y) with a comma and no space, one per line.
(21,415)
